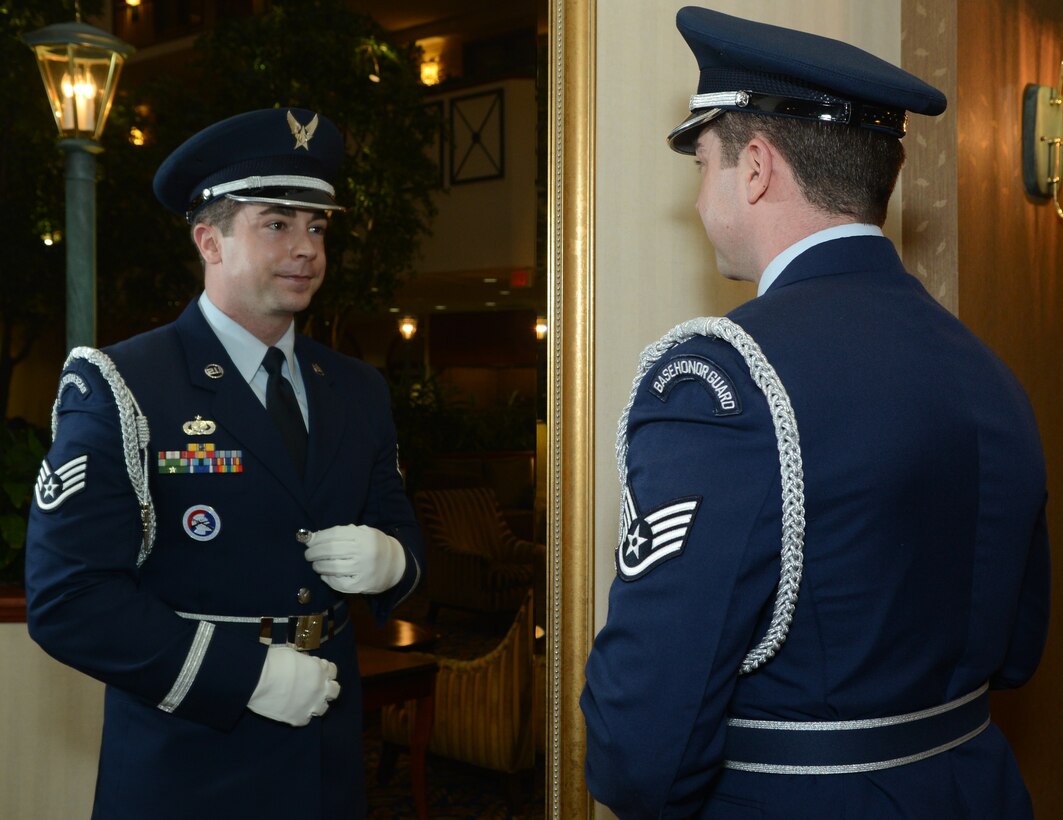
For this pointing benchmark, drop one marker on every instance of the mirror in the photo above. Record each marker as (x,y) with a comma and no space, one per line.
(568,409)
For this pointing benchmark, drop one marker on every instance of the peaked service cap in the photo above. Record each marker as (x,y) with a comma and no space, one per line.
(764,69)
(285,156)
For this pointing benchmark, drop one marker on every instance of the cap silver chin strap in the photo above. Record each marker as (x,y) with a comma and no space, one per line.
(790,465)
(719,99)
(272,181)
(135,437)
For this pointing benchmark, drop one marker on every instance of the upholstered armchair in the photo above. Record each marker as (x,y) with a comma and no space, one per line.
(483,706)
(474,559)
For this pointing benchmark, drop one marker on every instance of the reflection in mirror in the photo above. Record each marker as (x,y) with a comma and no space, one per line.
(463,343)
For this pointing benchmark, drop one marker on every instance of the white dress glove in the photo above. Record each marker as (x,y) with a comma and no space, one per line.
(356,558)
(294,686)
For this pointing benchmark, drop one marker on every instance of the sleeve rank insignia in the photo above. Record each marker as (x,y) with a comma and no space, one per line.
(53,487)
(657,536)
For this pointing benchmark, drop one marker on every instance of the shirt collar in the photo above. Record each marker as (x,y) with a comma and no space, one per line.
(245,350)
(779,263)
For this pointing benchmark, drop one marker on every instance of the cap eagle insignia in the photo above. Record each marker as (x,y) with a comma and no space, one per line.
(302,133)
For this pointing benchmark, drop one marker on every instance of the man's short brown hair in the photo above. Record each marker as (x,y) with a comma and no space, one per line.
(220,214)
(840,170)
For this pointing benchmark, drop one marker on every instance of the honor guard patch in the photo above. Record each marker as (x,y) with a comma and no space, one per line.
(691,367)
(53,487)
(74,379)
(201,522)
(654,537)
(200,457)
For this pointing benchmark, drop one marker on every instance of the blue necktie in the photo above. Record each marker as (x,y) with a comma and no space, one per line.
(283,408)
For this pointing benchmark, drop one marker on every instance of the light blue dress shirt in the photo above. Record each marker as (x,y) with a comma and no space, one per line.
(247,353)
(779,263)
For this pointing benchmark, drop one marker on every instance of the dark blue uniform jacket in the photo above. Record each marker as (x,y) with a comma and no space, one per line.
(926,567)
(90,606)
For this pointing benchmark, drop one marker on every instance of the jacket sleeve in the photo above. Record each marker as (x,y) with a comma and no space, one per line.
(1032,617)
(390,511)
(662,670)
(85,605)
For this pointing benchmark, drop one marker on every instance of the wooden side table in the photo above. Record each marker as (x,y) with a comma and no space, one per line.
(395,677)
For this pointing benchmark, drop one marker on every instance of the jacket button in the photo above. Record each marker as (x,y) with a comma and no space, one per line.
(303,595)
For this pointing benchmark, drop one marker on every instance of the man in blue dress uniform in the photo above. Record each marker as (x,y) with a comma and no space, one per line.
(833,539)
(214,491)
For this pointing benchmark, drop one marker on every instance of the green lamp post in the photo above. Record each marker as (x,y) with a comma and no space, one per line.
(79,65)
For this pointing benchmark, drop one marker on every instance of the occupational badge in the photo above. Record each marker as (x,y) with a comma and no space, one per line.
(318,369)
(53,487)
(201,522)
(653,537)
(199,426)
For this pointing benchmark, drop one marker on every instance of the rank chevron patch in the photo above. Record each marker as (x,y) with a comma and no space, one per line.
(655,537)
(56,486)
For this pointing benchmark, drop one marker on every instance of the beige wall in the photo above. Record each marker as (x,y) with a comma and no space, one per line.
(51,718)
(653,265)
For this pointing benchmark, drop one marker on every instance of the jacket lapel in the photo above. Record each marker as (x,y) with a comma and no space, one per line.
(326,414)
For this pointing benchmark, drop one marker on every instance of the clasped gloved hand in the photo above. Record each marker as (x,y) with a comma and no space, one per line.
(294,687)
(356,558)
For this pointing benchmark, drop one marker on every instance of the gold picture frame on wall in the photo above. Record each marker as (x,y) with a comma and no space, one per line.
(570,398)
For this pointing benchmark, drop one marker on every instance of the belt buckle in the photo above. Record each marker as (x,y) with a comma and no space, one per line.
(308,631)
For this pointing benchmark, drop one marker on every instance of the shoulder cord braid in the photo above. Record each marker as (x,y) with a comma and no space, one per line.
(135,437)
(791,470)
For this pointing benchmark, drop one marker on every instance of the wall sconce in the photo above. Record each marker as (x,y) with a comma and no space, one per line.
(408,327)
(541,327)
(431,60)
(1042,134)
(430,72)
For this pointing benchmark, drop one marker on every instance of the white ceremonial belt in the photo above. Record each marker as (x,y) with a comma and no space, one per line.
(850,746)
(303,632)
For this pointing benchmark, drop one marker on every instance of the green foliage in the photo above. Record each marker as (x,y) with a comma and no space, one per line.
(21,449)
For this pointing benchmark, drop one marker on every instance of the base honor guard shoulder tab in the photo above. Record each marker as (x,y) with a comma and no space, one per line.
(75,380)
(692,367)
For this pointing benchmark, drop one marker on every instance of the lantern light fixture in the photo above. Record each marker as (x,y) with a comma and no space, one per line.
(79,65)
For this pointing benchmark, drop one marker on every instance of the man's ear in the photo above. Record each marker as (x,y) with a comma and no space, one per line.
(208,241)
(757,165)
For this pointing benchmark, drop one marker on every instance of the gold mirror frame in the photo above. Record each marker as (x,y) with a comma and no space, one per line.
(570,399)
